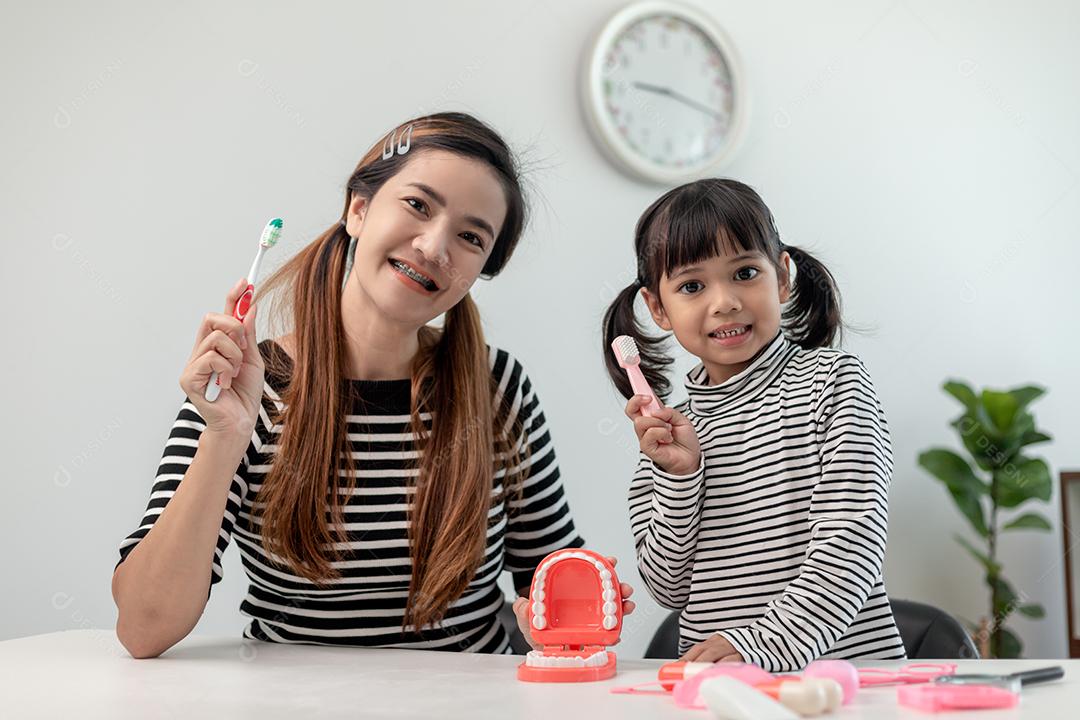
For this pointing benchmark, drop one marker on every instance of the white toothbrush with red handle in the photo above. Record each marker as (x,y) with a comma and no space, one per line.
(270,235)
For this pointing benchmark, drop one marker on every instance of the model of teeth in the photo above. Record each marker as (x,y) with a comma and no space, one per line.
(539,610)
(535,658)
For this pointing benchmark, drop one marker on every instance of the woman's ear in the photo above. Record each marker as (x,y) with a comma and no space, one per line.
(354,220)
(656,309)
(784,277)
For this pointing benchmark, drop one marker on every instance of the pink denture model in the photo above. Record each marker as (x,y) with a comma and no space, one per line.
(575,613)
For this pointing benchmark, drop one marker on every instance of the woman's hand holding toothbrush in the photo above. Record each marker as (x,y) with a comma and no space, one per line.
(667,437)
(228,347)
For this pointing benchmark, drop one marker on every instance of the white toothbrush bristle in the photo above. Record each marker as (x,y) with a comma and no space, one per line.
(626,350)
(271,233)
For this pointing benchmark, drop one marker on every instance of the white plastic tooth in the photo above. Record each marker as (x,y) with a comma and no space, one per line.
(579,556)
(599,565)
(610,622)
(539,594)
(539,609)
(609,594)
(605,574)
(609,608)
(540,622)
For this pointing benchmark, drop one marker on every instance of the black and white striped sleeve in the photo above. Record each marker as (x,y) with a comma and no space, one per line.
(179,452)
(665,515)
(848,519)
(539,519)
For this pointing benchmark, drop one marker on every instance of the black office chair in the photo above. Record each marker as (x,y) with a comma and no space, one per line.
(926,631)
(929,632)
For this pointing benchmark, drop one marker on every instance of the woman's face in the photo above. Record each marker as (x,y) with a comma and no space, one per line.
(424,237)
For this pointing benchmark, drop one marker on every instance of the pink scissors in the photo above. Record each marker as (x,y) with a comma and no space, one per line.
(907,675)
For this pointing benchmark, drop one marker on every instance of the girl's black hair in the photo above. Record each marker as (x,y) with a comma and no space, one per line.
(698,221)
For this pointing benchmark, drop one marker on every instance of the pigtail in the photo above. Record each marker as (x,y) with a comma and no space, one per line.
(620,320)
(812,317)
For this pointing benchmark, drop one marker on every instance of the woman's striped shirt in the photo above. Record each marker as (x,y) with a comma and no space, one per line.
(777,541)
(365,607)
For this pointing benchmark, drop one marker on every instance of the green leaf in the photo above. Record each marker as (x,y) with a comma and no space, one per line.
(966,489)
(991,567)
(1032,610)
(962,392)
(1023,480)
(1032,437)
(1024,396)
(1008,644)
(1001,407)
(1004,598)
(979,440)
(1028,521)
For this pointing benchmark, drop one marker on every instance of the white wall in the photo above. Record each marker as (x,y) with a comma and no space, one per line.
(928,151)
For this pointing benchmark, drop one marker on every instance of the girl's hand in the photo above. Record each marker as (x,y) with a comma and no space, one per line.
(715,649)
(228,346)
(521,610)
(667,438)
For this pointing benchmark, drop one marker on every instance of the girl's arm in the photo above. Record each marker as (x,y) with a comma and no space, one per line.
(665,514)
(848,518)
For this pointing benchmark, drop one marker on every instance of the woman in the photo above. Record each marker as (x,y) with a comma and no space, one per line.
(376,473)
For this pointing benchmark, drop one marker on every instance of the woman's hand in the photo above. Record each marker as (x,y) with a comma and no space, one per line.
(715,649)
(227,346)
(521,609)
(667,438)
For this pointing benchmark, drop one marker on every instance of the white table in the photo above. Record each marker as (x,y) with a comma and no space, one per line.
(87,674)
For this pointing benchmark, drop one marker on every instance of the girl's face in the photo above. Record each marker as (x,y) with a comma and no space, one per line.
(723,310)
(424,237)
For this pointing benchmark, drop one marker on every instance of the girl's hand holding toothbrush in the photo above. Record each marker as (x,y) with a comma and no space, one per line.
(228,347)
(667,437)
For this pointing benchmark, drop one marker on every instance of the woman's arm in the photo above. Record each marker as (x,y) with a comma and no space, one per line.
(162,583)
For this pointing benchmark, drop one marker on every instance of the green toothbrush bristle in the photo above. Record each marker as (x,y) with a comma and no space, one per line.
(272,232)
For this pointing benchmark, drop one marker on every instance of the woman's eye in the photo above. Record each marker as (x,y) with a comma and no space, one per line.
(474,239)
(747,273)
(690,287)
(417,205)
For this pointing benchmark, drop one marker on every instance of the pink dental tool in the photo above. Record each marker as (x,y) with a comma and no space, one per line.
(932,697)
(575,613)
(629,359)
(907,675)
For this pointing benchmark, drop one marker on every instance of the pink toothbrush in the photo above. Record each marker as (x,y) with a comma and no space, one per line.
(629,359)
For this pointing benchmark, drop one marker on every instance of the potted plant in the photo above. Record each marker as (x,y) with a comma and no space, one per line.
(995,428)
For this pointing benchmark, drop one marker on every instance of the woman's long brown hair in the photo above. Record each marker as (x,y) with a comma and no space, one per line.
(300,504)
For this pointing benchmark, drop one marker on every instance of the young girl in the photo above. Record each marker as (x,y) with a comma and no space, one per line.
(759,506)
(377,474)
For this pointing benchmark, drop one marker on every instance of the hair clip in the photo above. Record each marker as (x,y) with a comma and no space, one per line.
(404,142)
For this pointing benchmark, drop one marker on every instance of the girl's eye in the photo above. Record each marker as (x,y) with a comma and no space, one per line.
(741,273)
(473,239)
(691,287)
(417,205)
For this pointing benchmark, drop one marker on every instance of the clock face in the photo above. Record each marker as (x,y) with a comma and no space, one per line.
(664,96)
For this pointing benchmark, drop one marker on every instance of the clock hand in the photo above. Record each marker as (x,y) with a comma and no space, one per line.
(677,96)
